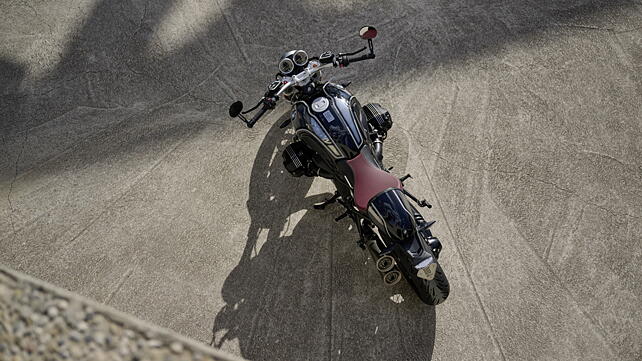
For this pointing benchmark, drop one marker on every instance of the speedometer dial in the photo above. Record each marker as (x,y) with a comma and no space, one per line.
(286,66)
(300,58)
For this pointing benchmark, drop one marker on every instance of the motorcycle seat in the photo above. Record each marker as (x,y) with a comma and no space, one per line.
(369,180)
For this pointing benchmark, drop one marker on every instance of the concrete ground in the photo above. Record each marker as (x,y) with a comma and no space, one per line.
(122,178)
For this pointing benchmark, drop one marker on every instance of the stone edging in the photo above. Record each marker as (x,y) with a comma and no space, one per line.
(40,321)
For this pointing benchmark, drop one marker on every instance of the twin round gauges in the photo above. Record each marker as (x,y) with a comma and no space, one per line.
(291,60)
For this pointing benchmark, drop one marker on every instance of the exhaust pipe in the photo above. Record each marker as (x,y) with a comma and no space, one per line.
(391,278)
(385,264)
(378,149)
(372,246)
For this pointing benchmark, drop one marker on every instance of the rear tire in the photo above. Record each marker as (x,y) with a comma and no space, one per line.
(431,292)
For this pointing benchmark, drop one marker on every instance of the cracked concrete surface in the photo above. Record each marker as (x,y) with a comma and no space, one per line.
(122,178)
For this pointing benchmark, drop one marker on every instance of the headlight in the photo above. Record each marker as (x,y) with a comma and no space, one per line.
(300,58)
(286,66)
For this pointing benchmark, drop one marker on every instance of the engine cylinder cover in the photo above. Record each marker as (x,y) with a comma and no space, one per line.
(378,117)
(297,160)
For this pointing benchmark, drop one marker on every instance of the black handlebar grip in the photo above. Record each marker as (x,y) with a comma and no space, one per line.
(256,117)
(346,60)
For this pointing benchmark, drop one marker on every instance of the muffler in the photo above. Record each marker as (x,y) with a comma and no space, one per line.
(391,278)
(385,263)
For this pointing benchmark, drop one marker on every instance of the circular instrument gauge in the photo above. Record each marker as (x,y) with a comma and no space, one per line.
(286,66)
(300,58)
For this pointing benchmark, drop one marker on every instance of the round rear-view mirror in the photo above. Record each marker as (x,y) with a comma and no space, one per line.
(236,108)
(368,32)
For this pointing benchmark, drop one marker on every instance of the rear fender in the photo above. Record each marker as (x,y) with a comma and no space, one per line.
(405,232)
(421,256)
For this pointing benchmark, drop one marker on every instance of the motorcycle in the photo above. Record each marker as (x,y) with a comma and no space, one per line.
(338,139)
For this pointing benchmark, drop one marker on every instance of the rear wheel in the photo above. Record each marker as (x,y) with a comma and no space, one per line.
(431,292)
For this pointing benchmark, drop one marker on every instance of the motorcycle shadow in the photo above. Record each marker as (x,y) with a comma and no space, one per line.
(303,290)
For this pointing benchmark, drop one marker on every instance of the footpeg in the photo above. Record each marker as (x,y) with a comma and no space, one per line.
(421,203)
(322,205)
(342,216)
(402,179)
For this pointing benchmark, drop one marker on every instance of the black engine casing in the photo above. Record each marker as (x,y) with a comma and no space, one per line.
(297,159)
(378,117)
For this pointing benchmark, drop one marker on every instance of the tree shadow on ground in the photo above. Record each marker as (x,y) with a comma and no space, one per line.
(117,61)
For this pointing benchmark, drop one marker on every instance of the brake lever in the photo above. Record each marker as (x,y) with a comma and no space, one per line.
(253,108)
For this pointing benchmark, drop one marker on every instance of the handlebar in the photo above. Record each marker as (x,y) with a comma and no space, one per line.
(347,59)
(256,117)
(270,98)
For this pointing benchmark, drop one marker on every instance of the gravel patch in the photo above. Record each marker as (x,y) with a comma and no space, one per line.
(42,322)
